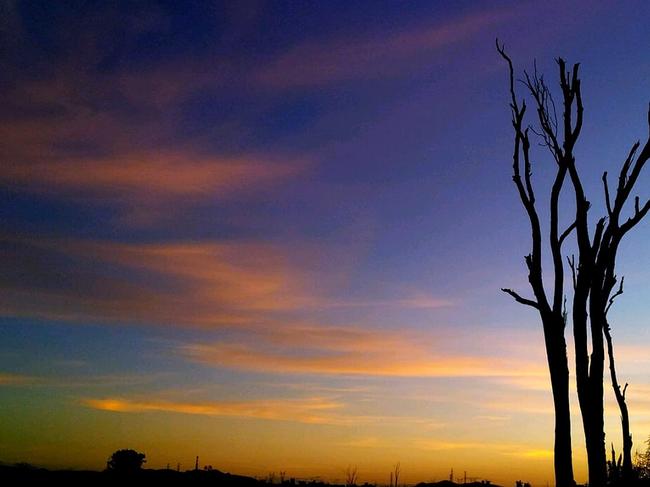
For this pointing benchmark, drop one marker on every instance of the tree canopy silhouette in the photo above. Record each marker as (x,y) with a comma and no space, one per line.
(126,461)
(593,278)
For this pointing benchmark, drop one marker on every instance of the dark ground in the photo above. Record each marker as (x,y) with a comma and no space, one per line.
(26,475)
(19,475)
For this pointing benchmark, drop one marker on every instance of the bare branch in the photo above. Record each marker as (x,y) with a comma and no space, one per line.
(575,86)
(624,186)
(546,112)
(607,199)
(639,213)
(501,50)
(572,266)
(524,187)
(567,232)
(598,234)
(527,167)
(520,299)
(615,295)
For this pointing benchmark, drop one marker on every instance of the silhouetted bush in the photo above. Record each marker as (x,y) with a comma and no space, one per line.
(125,461)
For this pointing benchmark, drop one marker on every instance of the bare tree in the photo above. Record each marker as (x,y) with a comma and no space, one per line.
(395,475)
(351,476)
(608,234)
(594,276)
(552,312)
(594,280)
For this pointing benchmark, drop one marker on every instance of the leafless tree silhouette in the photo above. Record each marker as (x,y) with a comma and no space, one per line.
(552,313)
(594,282)
(395,475)
(598,274)
(594,277)
(351,476)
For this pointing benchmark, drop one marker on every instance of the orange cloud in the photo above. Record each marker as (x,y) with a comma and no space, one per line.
(417,301)
(200,284)
(340,351)
(537,383)
(501,448)
(166,85)
(309,410)
(239,276)
(15,379)
(533,453)
(58,117)
(210,283)
(114,138)
(314,64)
(148,177)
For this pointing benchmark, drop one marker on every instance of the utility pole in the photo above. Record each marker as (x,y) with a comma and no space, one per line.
(196,464)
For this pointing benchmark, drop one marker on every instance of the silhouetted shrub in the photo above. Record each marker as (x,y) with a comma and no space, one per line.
(125,461)
(642,462)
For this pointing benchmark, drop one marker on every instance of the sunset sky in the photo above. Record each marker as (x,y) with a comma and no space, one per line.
(272,234)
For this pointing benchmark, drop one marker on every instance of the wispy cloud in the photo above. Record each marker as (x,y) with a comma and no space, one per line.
(505,448)
(417,301)
(535,453)
(535,383)
(151,177)
(309,410)
(117,138)
(343,351)
(366,442)
(198,284)
(7,379)
(524,404)
(384,54)
(185,283)
(329,410)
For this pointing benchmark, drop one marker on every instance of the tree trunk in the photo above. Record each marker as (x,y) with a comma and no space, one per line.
(580,339)
(628,473)
(622,405)
(596,450)
(559,373)
(589,375)
(591,401)
(596,458)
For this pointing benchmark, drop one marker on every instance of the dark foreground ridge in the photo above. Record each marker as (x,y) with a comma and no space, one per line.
(29,475)
(449,483)
(25,474)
